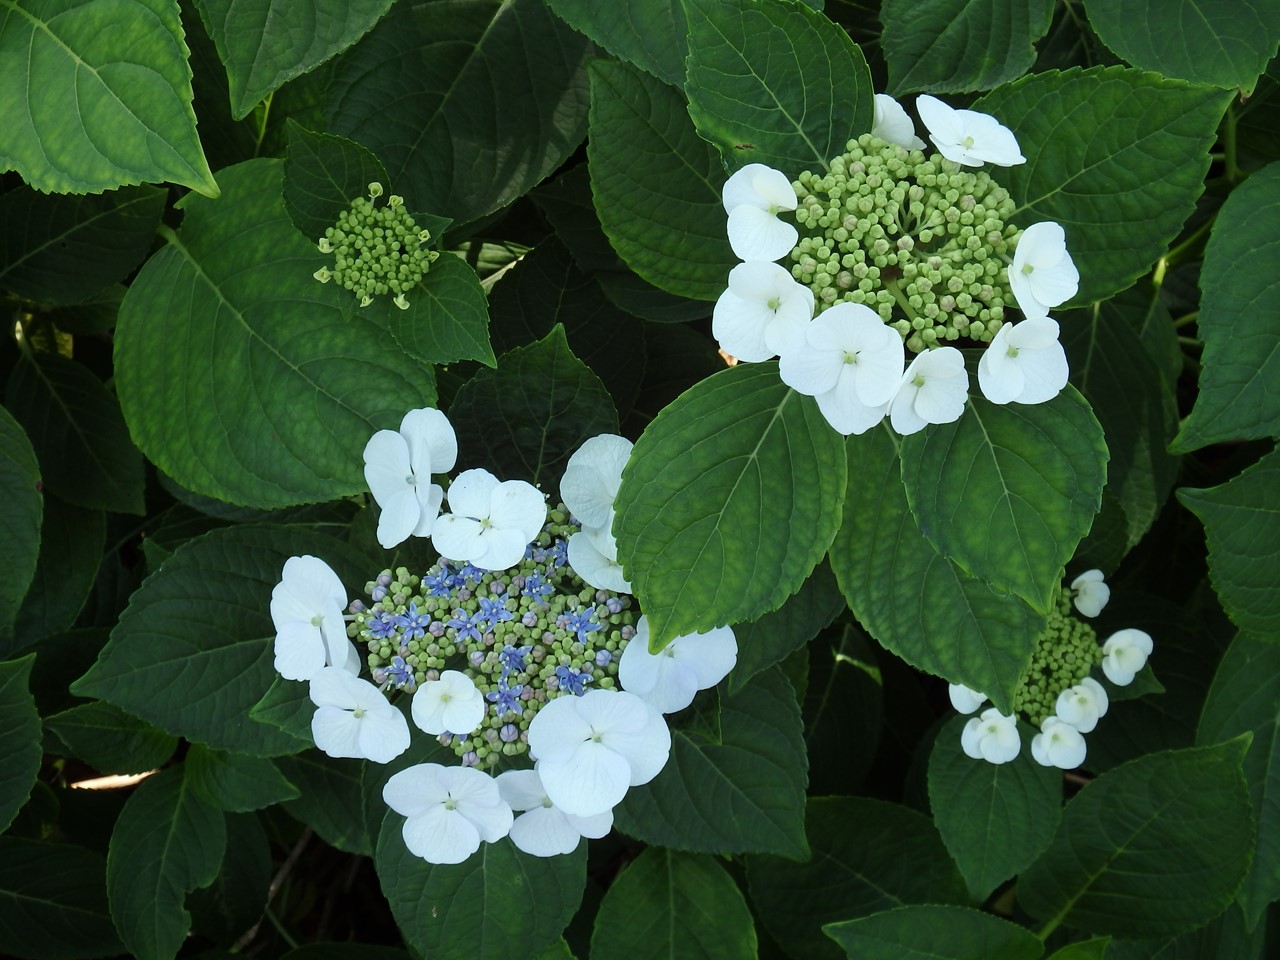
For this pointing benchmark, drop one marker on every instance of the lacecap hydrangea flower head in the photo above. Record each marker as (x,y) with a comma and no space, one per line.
(922,243)
(503,650)
(1058,697)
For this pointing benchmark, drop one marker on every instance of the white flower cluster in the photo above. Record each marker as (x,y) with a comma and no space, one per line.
(994,737)
(588,746)
(846,357)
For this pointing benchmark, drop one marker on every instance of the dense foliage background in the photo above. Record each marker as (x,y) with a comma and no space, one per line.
(185,407)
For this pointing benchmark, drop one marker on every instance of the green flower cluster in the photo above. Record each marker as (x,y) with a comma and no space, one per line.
(907,234)
(1065,653)
(377,250)
(524,636)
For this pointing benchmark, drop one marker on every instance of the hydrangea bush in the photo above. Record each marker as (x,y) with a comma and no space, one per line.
(717,478)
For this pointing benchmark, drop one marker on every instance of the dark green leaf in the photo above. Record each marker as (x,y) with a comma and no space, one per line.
(649,33)
(1094,949)
(95,315)
(1240,280)
(1242,522)
(235,782)
(934,933)
(194,650)
(1245,696)
(730,499)
(917,604)
(479,908)
(265,43)
(953,46)
(323,174)
(233,903)
(500,92)
(526,418)
(1134,403)
(287,705)
(1117,156)
(345,951)
(667,904)
(1226,43)
(775,83)
(65,249)
(86,456)
(995,819)
(1225,938)
(545,288)
(868,856)
(19,738)
(53,901)
(240,375)
(1182,813)
(657,183)
(124,67)
(843,689)
(20,519)
(776,635)
(1033,473)
(738,789)
(330,801)
(71,542)
(166,843)
(447,319)
(110,740)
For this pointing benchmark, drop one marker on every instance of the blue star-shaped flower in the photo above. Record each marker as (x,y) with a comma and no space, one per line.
(580,622)
(536,587)
(513,658)
(438,584)
(381,626)
(559,552)
(573,680)
(399,672)
(507,699)
(413,624)
(495,611)
(468,626)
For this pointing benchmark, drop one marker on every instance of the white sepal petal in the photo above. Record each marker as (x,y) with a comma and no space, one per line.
(892,124)
(964,699)
(1058,744)
(1090,592)
(451,704)
(991,736)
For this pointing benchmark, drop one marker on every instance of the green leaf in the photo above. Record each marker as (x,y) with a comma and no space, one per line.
(1226,937)
(239,375)
(1240,280)
(82,442)
(736,790)
(71,543)
(935,933)
(1182,813)
(53,901)
(730,499)
(648,33)
(166,843)
(287,705)
(1132,400)
(124,68)
(1094,949)
(656,183)
(479,908)
(19,738)
(1245,696)
(1242,523)
(843,690)
(20,519)
(1117,156)
(995,819)
(234,782)
(775,83)
(346,951)
(1034,474)
(322,175)
(667,904)
(234,902)
(775,636)
(110,740)
(526,418)
(868,856)
(330,801)
(502,95)
(64,249)
(194,650)
(1226,44)
(265,43)
(544,288)
(95,315)
(954,46)
(918,605)
(447,319)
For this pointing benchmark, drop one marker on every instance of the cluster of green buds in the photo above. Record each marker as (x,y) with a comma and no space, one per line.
(1065,653)
(919,239)
(377,250)
(524,636)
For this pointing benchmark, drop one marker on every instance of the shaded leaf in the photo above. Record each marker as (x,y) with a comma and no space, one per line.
(447,319)
(322,175)
(648,33)
(19,737)
(235,782)
(19,521)
(329,800)
(935,933)
(110,740)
